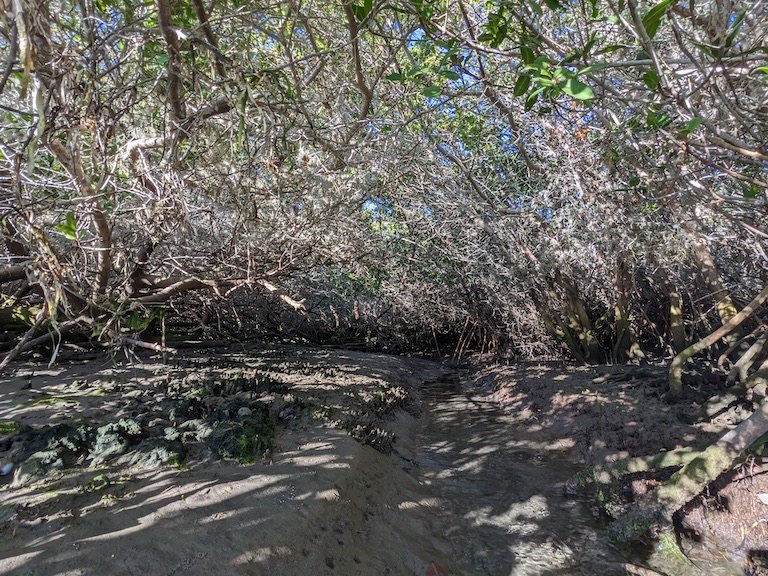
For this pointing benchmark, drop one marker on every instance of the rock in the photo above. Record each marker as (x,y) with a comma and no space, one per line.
(38,466)
(188,409)
(68,442)
(244,412)
(195,430)
(114,439)
(153,453)
(158,423)
(239,441)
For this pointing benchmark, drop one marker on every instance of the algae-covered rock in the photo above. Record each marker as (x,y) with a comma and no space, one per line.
(114,439)
(153,453)
(39,466)
(8,427)
(194,430)
(241,441)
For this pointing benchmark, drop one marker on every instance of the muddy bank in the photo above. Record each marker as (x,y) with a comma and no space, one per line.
(323,493)
(606,414)
(282,460)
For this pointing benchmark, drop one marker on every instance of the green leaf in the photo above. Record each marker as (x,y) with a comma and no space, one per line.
(418,70)
(432,91)
(610,48)
(540,65)
(362,12)
(690,126)
(527,55)
(495,30)
(735,27)
(577,89)
(651,79)
(594,68)
(522,85)
(449,74)
(707,49)
(658,119)
(751,191)
(595,10)
(553,4)
(589,45)
(535,7)
(395,77)
(763,69)
(69,228)
(533,97)
(652,20)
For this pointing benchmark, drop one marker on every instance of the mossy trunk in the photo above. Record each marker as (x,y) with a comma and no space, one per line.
(625,344)
(726,308)
(692,478)
(577,318)
(559,332)
(676,322)
(676,367)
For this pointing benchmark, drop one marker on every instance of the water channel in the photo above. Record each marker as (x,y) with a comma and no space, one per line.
(503,497)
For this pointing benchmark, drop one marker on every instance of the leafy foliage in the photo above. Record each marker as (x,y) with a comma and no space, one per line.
(507,173)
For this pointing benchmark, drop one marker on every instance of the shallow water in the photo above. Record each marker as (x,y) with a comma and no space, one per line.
(503,498)
(504,492)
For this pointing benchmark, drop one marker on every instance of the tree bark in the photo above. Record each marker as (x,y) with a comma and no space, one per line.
(676,368)
(692,478)
(12,273)
(741,367)
(676,323)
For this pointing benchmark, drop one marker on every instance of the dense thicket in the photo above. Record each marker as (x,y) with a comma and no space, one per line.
(586,178)
(507,174)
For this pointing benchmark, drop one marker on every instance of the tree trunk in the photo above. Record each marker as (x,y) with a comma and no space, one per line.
(741,367)
(692,478)
(578,319)
(676,323)
(757,384)
(559,331)
(625,344)
(676,368)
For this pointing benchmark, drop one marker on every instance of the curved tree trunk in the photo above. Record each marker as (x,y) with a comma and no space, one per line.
(726,308)
(702,256)
(693,477)
(757,384)
(741,367)
(740,344)
(676,368)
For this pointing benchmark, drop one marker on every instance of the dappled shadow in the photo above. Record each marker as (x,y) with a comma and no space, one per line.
(504,491)
(515,439)
(217,518)
(482,490)
(321,504)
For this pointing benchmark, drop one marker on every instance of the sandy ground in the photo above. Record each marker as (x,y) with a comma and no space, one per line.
(319,503)
(607,413)
(379,465)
